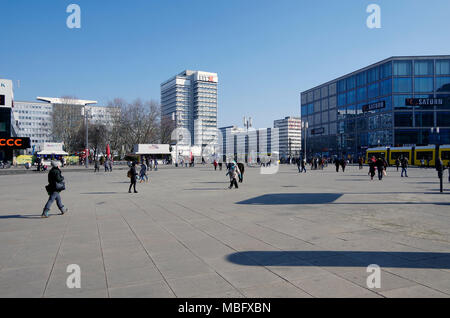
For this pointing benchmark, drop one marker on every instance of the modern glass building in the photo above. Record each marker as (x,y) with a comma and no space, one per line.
(397,101)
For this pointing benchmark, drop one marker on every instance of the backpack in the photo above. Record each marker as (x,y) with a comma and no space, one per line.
(129,174)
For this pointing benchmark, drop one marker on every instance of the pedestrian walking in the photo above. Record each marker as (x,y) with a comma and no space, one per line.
(96,166)
(233,172)
(397,163)
(380,168)
(303,165)
(337,163)
(241,170)
(372,167)
(132,175)
(404,163)
(143,173)
(55,186)
(343,164)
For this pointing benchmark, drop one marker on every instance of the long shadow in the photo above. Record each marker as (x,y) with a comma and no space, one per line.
(319,198)
(342,259)
(204,189)
(100,193)
(293,198)
(19,216)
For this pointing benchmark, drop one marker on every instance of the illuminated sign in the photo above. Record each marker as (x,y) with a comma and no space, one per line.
(425,101)
(15,143)
(374,106)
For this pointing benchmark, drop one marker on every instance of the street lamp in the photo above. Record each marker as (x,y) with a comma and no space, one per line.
(438,139)
(86,122)
(305,126)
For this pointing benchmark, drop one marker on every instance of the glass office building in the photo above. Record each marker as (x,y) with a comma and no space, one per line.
(398,101)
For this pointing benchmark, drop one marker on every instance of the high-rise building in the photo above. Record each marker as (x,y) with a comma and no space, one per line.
(290,132)
(393,102)
(190,99)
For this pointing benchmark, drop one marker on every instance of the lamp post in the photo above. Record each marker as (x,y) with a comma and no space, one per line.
(305,126)
(86,123)
(437,130)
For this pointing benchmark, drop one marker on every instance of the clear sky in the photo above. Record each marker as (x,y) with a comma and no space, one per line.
(265,51)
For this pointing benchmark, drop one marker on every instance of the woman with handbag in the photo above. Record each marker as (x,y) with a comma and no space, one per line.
(55,186)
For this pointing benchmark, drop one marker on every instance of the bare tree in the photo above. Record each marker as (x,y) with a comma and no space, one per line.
(66,123)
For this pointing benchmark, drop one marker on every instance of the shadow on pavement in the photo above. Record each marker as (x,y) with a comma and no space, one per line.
(19,216)
(100,192)
(322,198)
(293,198)
(342,259)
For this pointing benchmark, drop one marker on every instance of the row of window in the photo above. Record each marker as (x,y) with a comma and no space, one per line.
(395,68)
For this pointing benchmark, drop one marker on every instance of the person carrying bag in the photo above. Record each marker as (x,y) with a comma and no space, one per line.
(55,185)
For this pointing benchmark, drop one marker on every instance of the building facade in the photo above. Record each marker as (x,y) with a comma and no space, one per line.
(290,132)
(8,124)
(35,119)
(394,102)
(190,99)
(251,146)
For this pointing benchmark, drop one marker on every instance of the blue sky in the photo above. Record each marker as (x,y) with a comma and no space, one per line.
(265,51)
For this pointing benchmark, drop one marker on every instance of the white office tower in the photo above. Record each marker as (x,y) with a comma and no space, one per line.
(290,132)
(190,99)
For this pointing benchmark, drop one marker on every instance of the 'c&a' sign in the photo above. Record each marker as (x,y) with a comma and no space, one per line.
(15,143)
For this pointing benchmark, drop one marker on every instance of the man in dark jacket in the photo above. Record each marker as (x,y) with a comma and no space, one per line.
(132,174)
(380,167)
(54,178)
(241,168)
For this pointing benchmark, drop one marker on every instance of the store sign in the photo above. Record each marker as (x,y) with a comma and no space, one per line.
(424,101)
(374,106)
(15,143)
(317,131)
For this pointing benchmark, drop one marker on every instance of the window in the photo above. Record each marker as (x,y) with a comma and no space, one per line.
(342,86)
(402,68)
(402,85)
(403,119)
(325,104)
(423,67)
(310,109)
(424,119)
(362,93)
(341,99)
(351,82)
(443,119)
(374,90)
(332,89)
(304,110)
(2,126)
(386,70)
(442,67)
(406,136)
(373,75)
(361,79)
(386,87)
(317,107)
(442,84)
(2,100)
(324,91)
(351,96)
(423,84)
(317,94)
(332,102)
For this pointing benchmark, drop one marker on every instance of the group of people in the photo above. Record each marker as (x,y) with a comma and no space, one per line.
(235,172)
(377,164)
(340,163)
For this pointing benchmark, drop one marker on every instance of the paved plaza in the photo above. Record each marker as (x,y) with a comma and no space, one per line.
(186,235)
